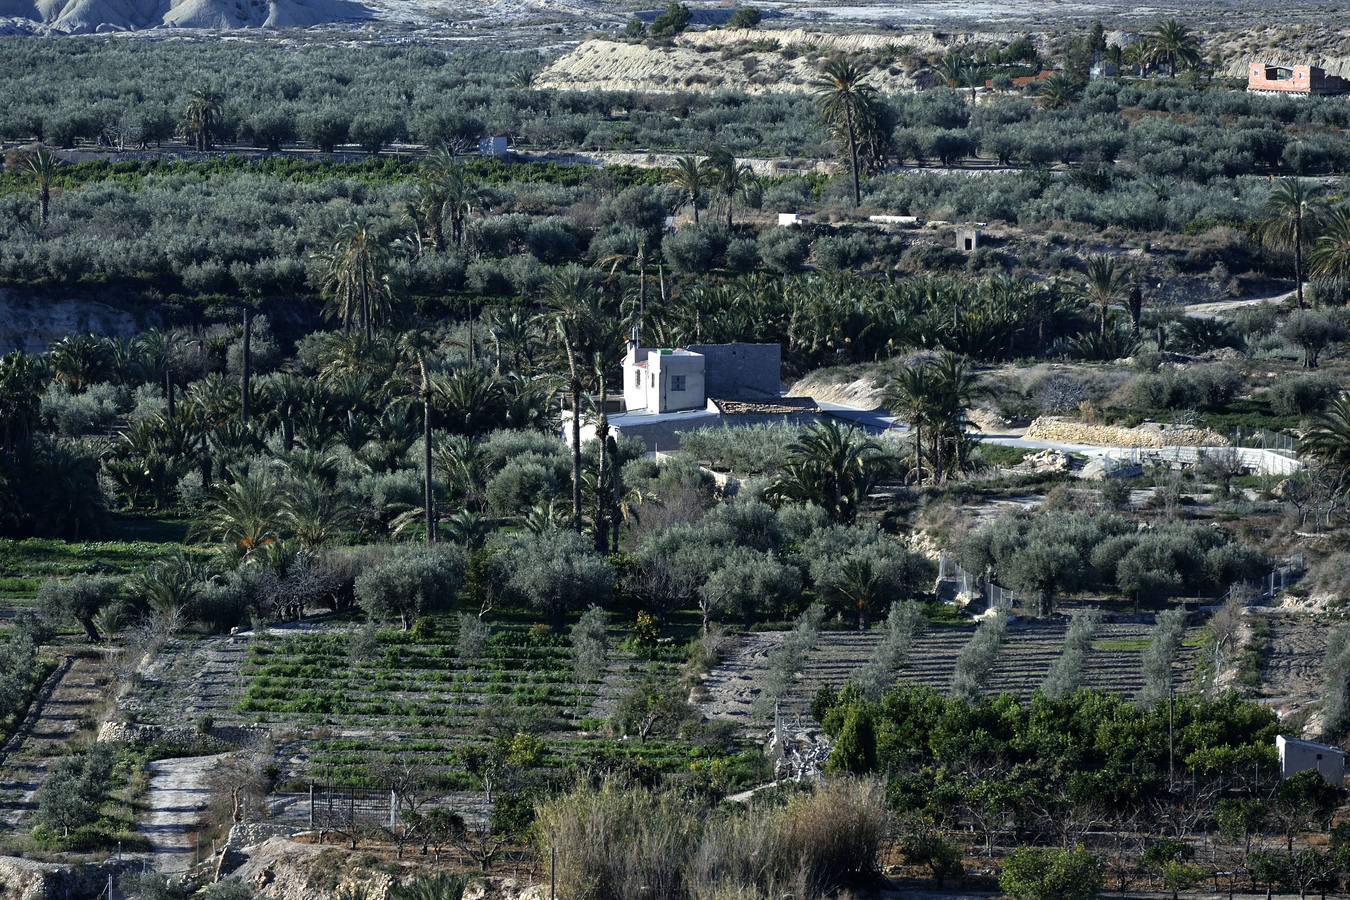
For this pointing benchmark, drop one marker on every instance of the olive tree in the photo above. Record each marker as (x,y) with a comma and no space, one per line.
(554,572)
(412,582)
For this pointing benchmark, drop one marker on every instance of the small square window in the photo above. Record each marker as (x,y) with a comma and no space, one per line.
(677,382)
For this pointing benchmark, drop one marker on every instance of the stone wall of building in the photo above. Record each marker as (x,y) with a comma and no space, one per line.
(741,371)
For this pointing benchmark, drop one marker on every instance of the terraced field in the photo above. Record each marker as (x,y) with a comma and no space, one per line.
(340,715)
(1027,654)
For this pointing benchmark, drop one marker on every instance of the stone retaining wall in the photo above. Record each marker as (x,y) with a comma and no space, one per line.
(1146,436)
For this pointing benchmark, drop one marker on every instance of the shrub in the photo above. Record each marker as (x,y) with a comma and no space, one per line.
(1304,395)
(783,249)
(413,582)
(1038,873)
(78,599)
(554,572)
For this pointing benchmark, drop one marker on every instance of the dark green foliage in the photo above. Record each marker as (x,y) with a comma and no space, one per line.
(744,17)
(71,796)
(78,599)
(1033,873)
(411,583)
(855,748)
(672,20)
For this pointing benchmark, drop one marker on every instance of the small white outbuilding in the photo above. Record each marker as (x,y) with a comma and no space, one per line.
(1300,756)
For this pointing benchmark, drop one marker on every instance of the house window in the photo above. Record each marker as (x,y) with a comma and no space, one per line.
(637,379)
(677,382)
(653,379)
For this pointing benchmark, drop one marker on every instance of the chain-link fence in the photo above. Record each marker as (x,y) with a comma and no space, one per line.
(995,596)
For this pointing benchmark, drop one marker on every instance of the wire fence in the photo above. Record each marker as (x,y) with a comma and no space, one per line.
(995,596)
(1272,583)
(1263,439)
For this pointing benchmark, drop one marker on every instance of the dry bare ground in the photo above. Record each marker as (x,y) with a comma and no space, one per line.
(1291,676)
(73,704)
(174,802)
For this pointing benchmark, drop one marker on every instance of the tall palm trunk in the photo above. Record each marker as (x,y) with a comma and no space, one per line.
(44,202)
(428,484)
(576,453)
(246,368)
(168,390)
(642,283)
(365,303)
(853,155)
(1298,256)
(602,504)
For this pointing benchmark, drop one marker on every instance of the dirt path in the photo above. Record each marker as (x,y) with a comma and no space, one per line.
(72,704)
(1223,307)
(177,795)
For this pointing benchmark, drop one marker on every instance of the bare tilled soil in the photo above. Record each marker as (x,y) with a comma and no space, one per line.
(72,705)
(1291,676)
(1028,653)
(189,680)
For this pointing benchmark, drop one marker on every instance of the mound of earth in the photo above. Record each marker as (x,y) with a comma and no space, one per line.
(1148,435)
(87,16)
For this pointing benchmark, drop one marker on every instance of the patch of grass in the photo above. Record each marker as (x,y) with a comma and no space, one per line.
(1001,456)
(1121,645)
(42,557)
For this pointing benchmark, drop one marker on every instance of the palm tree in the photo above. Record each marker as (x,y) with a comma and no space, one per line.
(690,176)
(1058,91)
(845,99)
(859,586)
(910,396)
(634,250)
(1330,255)
(960,72)
(314,513)
(199,119)
(513,335)
(1328,436)
(41,164)
(354,277)
(574,307)
(78,361)
(428,480)
(1105,284)
(955,387)
(21,380)
(830,465)
(733,180)
(1173,44)
(245,513)
(450,182)
(1285,220)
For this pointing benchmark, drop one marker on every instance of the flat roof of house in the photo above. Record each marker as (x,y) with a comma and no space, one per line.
(1308,745)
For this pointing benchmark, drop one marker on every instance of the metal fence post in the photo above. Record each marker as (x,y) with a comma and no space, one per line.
(311,806)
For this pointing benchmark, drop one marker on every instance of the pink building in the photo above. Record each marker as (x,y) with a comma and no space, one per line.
(1297,80)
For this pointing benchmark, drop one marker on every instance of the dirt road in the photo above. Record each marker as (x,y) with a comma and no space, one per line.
(174,803)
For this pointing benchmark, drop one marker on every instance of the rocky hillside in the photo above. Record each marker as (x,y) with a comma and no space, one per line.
(755,62)
(88,16)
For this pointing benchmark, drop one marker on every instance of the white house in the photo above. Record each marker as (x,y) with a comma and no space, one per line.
(662,380)
(1300,756)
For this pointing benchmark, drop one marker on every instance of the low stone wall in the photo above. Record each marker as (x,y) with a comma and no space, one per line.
(25,879)
(1147,436)
(219,738)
